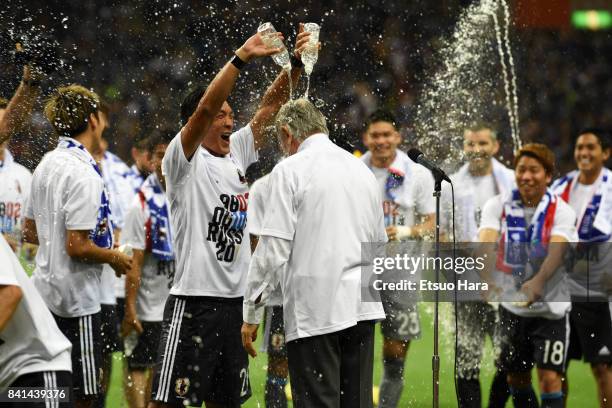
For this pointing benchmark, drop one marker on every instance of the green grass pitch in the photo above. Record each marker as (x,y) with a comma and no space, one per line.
(418,389)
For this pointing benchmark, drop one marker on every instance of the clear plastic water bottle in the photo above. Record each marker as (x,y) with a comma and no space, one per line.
(311,52)
(130,342)
(271,40)
(126,249)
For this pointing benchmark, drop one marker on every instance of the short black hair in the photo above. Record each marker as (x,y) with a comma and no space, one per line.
(141,143)
(190,102)
(603,135)
(157,139)
(381,115)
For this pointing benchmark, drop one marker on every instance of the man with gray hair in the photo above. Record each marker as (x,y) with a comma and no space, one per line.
(323,204)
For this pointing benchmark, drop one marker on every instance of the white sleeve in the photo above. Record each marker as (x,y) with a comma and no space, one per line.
(175,166)
(281,212)
(255,210)
(564,224)
(424,200)
(82,204)
(242,147)
(491,214)
(7,274)
(134,232)
(267,264)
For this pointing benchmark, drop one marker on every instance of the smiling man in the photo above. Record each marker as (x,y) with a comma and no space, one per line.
(200,356)
(589,191)
(406,191)
(532,226)
(480,179)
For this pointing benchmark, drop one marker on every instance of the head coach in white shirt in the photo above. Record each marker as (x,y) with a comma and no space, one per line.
(323,204)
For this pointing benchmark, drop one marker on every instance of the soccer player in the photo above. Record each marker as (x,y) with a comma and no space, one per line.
(478,180)
(406,190)
(533,227)
(142,166)
(274,328)
(16,179)
(33,351)
(589,191)
(324,203)
(68,214)
(147,230)
(120,193)
(201,356)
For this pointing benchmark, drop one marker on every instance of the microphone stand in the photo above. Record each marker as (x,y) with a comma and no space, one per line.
(435,360)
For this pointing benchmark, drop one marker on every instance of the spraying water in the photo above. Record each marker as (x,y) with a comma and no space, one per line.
(465,87)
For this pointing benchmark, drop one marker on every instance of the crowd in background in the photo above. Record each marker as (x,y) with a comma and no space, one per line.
(143,56)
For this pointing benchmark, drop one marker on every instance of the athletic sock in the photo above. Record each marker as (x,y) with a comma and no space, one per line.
(392,382)
(552,400)
(500,392)
(275,392)
(524,397)
(468,393)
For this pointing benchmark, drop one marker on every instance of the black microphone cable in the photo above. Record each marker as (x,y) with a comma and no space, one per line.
(455,302)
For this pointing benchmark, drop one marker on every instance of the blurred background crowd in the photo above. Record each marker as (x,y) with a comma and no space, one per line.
(142,56)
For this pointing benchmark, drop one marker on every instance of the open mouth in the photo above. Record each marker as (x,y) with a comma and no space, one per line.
(226,136)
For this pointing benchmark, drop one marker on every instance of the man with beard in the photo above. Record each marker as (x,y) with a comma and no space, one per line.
(478,180)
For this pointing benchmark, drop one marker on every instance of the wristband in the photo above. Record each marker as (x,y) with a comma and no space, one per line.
(238,62)
(31,82)
(296,62)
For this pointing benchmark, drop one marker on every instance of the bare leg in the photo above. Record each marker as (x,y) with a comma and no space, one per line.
(603,378)
(136,389)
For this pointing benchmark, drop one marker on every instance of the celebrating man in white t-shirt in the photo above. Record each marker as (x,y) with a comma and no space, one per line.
(478,180)
(589,191)
(148,231)
(406,191)
(201,357)
(324,203)
(68,216)
(533,227)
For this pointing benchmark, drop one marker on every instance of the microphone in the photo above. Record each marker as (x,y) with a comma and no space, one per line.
(417,156)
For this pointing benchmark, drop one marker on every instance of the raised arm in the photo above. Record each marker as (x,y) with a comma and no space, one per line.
(277,93)
(217,92)
(20,105)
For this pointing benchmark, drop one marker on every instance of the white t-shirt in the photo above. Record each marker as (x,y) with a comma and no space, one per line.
(326,202)
(208,198)
(65,195)
(14,190)
(31,341)
(593,275)
(555,303)
(120,194)
(485,186)
(414,198)
(258,196)
(135,180)
(154,280)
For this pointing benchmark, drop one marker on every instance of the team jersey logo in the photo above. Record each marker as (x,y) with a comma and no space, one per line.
(182,386)
(226,228)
